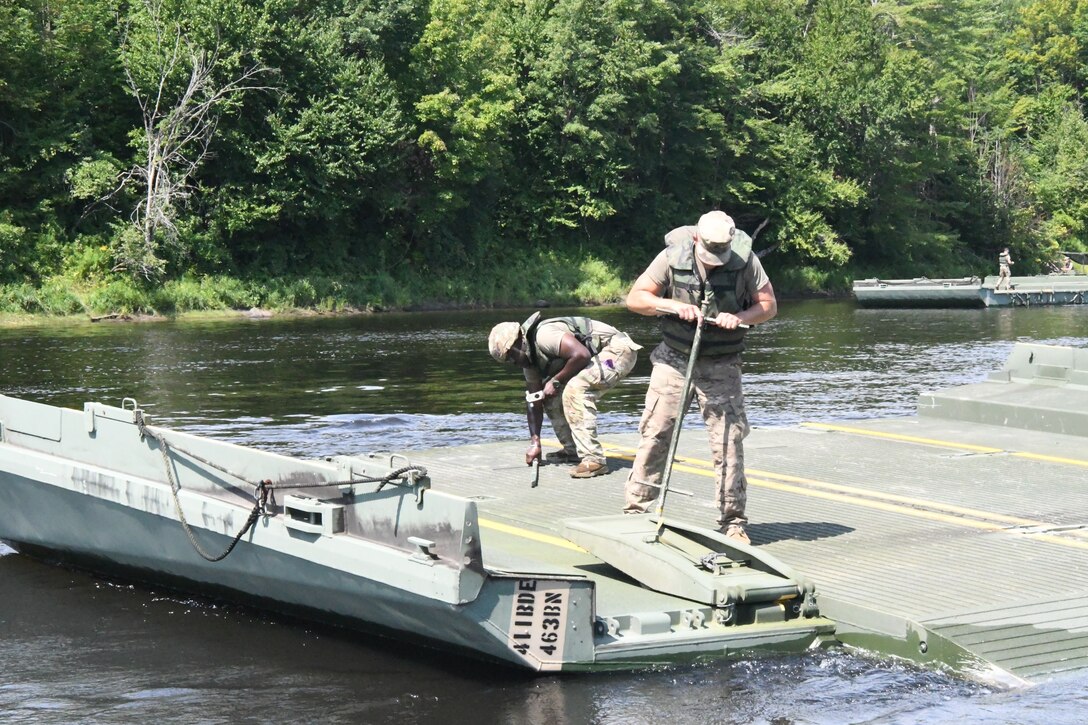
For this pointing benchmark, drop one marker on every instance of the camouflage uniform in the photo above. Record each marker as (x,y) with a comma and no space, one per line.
(573,414)
(1004,273)
(716,378)
(718,390)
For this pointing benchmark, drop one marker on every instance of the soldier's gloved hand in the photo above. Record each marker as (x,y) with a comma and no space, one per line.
(533,453)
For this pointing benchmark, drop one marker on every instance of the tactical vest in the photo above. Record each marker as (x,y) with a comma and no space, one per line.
(687,286)
(580,327)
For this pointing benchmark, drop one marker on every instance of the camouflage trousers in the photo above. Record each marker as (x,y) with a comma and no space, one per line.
(1003,277)
(573,413)
(718,391)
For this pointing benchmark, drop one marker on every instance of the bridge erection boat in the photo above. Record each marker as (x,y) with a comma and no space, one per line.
(367,542)
(919,292)
(1027,291)
(956,536)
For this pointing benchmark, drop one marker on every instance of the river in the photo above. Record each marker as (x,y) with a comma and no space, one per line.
(77,648)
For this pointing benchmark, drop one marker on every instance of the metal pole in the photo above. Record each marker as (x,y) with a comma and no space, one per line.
(684,403)
(530,400)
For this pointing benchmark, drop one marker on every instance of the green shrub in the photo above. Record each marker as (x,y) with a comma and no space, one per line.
(600,284)
(13,239)
(87,260)
(802,281)
(19,298)
(191,294)
(120,296)
(57,297)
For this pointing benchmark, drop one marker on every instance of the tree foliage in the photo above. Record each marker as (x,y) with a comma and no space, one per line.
(462,136)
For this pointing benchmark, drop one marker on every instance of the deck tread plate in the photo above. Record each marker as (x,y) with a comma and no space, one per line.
(916,559)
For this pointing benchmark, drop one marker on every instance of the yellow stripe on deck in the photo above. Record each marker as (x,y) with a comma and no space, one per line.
(1049,459)
(947,444)
(945,513)
(527,534)
(904,438)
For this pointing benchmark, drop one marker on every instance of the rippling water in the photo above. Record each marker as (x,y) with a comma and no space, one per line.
(74,648)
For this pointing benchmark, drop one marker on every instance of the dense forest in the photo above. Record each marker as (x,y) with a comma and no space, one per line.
(160,155)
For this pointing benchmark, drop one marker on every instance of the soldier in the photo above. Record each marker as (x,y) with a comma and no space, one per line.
(715,260)
(1004,261)
(574,361)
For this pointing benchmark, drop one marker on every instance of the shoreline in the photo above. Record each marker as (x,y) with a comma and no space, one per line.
(14,320)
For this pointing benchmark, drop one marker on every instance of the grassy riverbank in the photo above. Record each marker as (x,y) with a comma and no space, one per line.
(549,279)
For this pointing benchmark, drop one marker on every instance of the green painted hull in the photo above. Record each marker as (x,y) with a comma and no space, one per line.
(363,542)
(1039,290)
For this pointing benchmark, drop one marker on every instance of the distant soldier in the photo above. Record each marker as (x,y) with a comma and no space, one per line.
(1004,261)
(573,361)
(713,256)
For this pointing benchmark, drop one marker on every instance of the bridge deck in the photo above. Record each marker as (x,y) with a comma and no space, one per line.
(933,539)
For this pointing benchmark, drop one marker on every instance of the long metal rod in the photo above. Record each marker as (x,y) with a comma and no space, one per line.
(684,404)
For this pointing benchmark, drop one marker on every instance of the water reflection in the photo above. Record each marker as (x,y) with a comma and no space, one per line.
(344,384)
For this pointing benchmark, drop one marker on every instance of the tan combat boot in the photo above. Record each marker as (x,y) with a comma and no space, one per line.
(589,469)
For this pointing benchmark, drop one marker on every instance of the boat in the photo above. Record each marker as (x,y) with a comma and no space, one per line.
(953,538)
(371,543)
(1036,290)
(919,292)
(1069,288)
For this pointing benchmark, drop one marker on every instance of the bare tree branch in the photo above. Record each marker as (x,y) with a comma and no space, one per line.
(178,129)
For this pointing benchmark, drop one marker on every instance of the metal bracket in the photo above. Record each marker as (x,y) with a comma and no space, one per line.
(125,401)
(418,483)
(693,619)
(718,562)
(810,608)
(312,516)
(392,461)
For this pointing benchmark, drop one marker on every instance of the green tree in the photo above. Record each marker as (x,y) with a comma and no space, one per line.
(315,176)
(1047,45)
(59,109)
(465,83)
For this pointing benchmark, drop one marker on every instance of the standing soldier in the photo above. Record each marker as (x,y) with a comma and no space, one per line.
(1004,261)
(573,362)
(711,260)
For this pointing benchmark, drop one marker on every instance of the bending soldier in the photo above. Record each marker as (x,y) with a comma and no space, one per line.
(573,361)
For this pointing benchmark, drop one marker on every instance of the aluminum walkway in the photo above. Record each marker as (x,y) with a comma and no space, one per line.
(937,538)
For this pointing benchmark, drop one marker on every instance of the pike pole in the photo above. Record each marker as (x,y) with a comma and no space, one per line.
(530,400)
(684,404)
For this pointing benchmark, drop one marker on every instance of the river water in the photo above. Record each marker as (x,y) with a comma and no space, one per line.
(77,648)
